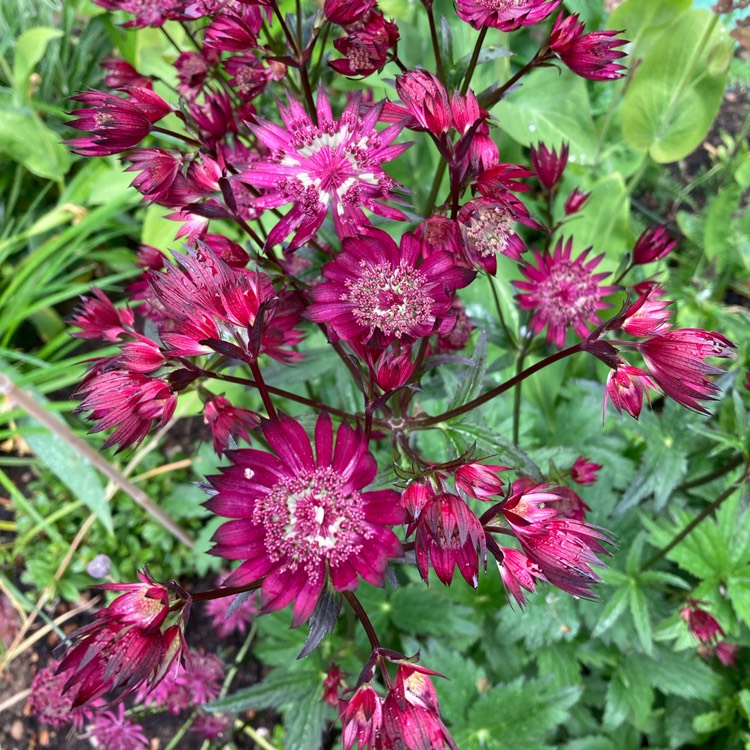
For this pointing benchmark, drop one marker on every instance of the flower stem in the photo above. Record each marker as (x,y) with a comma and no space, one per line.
(263,390)
(473,61)
(436,45)
(522,352)
(425,422)
(222,591)
(174,134)
(495,96)
(359,611)
(707,511)
(731,464)
(499,309)
(432,198)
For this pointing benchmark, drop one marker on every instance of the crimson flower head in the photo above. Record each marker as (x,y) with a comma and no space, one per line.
(116,123)
(488,229)
(345,12)
(563,292)
(98,318)
(563,549)
(676,362)
(449,535)
(548,164)
(574,202)
(365,47)
(301,519)
(426,99)
(648,315)
(506,15)
(480,481)
(332,166)
(584,471)
(377,291)
(654,243)
(626,386)
(133,642)
(590,55)
(411,713)
(130,401)
(726,653)
(227,421)
(362,719)
(701,623)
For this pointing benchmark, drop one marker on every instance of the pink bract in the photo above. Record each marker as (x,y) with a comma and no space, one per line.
(506,15)
(302,518)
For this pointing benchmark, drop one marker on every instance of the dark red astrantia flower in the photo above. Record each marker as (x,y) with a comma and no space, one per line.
(506,15)
(379,292)
(301,519)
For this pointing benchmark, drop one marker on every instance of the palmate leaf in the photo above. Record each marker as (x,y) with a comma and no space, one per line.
(521,714)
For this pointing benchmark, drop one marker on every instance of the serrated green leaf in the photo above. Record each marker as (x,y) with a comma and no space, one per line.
(711,722)
(612,611)
(629,696)
(738,591)
(681,673)
(282,686)
(518,715)
(641,619)
(471,383)
(304,722)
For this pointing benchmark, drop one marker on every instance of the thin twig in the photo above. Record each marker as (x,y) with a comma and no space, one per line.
(20,398)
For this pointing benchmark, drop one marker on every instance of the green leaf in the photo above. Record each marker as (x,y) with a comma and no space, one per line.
(711,722)
(305,721)
(738,591)
(681,673)
(501,446)
(644,20)
(641,618)
(282,686)
(629,696)
(612,611)
(30,49)
(676,91)
(722,234)
(72,469)
(25,139)
(517,715)
(538,113)
(471,383)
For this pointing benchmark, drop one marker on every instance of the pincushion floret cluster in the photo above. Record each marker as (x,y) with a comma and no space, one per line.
(287,221)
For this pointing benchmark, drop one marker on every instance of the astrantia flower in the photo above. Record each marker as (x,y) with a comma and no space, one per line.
(301,518)
(626,387)
(227,421)
(380,292)
(654,243)
(335,165)
(590,55)
(506,15)
(675,361)
(488,228)
(115,731)
(480,481)
(548,164)
(411,713)
(701,623)
(584,471)
(132,642)
(563,549)
(449,536)
(362,719)
(563,292)
(226,622)
(426,99)
(648,315)
(574,202)
(98,318)
(50,703)
(518,573)
(132,402)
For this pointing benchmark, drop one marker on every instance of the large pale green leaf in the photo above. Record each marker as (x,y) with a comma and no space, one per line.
(676,91)
(30,49)
(643,20)
(539,112)
(29,142)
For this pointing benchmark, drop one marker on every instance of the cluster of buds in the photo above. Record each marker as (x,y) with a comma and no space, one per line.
(555,544)
(704,626)
(408,717)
